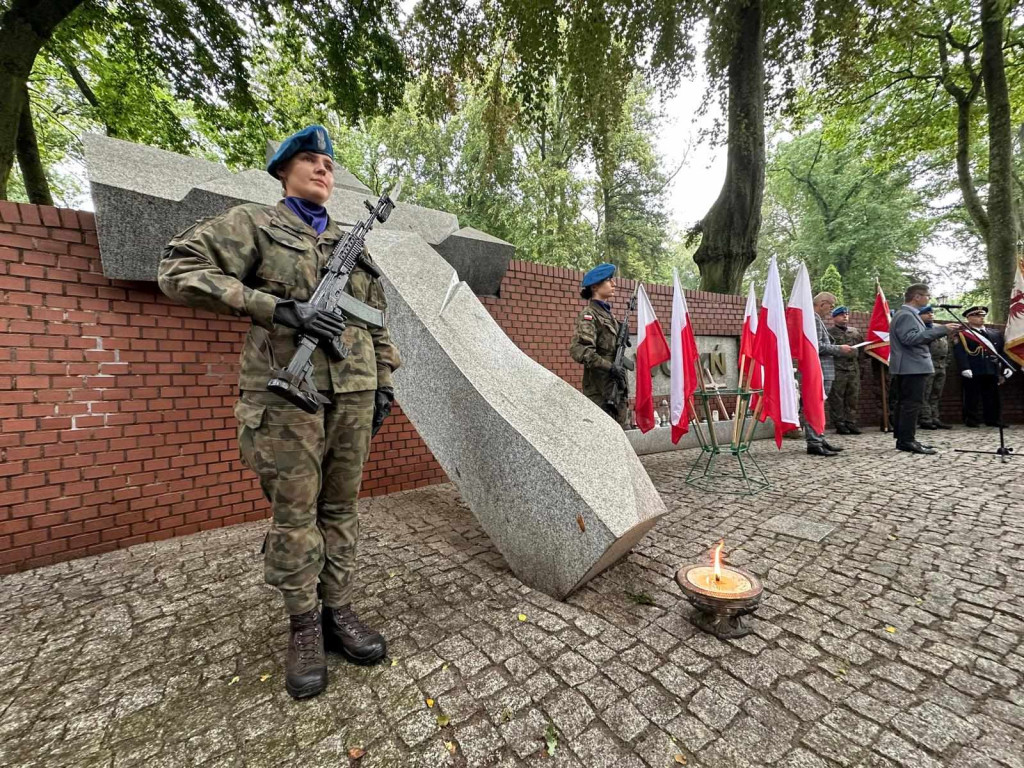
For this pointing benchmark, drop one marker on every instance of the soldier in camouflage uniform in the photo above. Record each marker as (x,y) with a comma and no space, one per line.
(593,343)
(933,385)
(844,397)
(264,262)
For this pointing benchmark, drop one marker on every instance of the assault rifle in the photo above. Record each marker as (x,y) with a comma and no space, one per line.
(616,393)
(295,382)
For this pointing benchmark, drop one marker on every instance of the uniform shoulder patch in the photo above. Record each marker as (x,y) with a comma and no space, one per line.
(588,317)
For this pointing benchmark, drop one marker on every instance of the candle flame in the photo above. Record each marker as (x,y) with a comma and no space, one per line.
(716,559)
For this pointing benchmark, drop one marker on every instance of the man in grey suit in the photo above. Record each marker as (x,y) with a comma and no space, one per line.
(910,363)
(824,303)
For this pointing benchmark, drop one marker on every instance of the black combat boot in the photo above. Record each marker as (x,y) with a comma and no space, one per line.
(853,429)
(347,635)
(306,667)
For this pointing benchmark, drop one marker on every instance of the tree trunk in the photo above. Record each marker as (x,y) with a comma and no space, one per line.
(24,29)
(729,230)
(1001,239)
(972,201)
(31,164)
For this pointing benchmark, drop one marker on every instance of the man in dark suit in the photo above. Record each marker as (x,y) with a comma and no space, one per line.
(910,363)
(980,369)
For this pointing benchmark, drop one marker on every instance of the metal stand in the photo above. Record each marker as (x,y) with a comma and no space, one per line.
(1004,452)
(751,478)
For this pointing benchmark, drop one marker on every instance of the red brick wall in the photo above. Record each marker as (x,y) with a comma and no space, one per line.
(116,422)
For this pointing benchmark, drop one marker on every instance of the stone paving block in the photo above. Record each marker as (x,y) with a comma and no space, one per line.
(479,742)
(569,712)
(713,710)
(598,749)
(624,720)
(573,668)
(524,733)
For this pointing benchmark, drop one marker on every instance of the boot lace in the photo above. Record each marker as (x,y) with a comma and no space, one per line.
(351,625)
(307,641)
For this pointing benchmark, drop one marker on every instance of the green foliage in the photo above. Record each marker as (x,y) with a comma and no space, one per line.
(533,186)
(832,282)
(826,205)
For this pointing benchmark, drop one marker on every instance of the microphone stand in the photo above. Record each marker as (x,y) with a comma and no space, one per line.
(1003,452)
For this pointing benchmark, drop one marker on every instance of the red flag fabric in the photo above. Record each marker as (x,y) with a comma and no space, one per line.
(747,336)
(803,342)
(651,350)
(878,329)
(1014,337)
(771,350)
(684,362)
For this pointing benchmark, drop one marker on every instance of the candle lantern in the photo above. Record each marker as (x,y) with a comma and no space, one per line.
(722,595)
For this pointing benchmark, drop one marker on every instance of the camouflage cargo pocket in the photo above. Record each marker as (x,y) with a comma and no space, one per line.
(250,418)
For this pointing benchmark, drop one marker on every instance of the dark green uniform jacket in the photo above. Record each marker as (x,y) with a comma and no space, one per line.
(593,346)
(242,261)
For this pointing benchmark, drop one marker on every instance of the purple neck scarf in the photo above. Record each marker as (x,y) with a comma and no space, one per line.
(311,213)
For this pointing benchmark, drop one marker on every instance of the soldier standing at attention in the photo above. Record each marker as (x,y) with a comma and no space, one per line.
(933,385)
(593,342)
(980,371)
(264,262)
(845,395)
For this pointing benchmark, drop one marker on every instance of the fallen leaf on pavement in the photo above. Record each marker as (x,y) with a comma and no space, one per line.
(264,677)
(354,753)
(522,617)
(443,720)
(891,630)
(430,702)
(233,680)
(680,759)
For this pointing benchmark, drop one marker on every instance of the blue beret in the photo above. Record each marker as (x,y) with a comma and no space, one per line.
(313,138)
(598,274)
(840,311)
(926,309)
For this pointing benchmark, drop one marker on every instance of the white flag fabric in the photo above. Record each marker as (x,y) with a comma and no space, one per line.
(771,349)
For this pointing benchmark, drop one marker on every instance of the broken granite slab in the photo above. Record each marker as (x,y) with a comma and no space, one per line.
(480,259)
(516,439)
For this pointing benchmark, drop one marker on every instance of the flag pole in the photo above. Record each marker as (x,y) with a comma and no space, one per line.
(885,398)
(739,398)
(754,419)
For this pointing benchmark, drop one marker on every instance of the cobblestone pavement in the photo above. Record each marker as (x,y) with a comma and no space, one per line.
(895,641)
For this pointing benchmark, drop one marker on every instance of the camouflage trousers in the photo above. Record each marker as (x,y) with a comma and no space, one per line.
(310,468)
(932,396)
(844,399)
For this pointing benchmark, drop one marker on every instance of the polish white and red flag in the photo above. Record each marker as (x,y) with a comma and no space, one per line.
(771,350)
(1014,339)
(684,362)
(803,342)
(751,369)
(877,334)
(651,350)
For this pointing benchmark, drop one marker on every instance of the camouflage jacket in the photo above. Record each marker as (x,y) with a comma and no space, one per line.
(940,351)
(593,345)
(243,261)
(851,336)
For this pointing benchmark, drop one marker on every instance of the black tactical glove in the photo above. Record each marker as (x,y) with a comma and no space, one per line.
(306,318)
(382,400)
(618,374)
